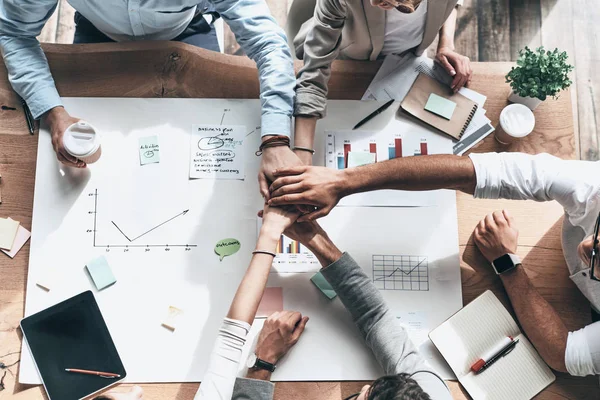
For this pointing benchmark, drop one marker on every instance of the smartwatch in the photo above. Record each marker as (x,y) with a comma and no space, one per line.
(506,263)
(257,363)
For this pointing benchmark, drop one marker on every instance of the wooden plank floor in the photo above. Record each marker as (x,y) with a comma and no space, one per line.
(487,30)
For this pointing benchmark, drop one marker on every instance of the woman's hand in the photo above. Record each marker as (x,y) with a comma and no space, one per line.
(277,219)
(456,65)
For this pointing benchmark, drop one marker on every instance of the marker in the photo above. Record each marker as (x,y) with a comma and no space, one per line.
(97,373)
(497,352)
(373,114)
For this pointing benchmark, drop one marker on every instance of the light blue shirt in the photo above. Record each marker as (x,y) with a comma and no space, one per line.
(21,21)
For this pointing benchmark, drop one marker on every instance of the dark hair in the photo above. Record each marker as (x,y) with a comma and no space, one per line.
(396,387)
(102,398)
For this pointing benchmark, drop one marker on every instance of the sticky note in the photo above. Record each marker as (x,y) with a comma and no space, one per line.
(319,280)
(101,273)
(272,301)
(358,158)
(21,238)
(149,150)
(440,106)
(8,232)
(227,247)
(173,315)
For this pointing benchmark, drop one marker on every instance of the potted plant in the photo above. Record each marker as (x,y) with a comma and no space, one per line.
(538,74)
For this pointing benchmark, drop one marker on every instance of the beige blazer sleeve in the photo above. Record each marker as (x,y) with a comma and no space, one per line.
(321,47)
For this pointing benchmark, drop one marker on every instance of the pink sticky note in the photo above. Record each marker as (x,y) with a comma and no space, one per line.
(272,301)
(22,237)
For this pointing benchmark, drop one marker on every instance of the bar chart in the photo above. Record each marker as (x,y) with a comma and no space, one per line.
(383,146)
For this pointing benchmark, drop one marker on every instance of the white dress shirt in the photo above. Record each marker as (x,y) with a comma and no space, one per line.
(576,186)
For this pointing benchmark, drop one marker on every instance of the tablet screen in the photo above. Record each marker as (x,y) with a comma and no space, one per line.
(72,334)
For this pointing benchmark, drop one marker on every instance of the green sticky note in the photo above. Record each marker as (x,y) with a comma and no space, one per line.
(358,158)
(149,150)
(440,106)
(101,273)
(227,247)
(319,280)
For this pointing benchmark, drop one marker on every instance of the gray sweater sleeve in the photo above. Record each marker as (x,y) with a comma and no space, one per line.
(252,389)
(382,332)
(387,339)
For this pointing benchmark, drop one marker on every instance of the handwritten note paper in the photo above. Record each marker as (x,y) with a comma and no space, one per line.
(216,152)
(149,150)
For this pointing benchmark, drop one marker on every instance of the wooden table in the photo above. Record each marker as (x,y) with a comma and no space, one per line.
(164,69)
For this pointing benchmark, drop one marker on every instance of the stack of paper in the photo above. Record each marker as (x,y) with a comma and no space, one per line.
(396,76)
(12,236)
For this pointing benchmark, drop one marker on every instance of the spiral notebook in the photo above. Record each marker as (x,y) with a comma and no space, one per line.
(471,332)
(418,103)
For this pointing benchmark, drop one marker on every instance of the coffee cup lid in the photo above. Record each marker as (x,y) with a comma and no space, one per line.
(517,120)
(81,139)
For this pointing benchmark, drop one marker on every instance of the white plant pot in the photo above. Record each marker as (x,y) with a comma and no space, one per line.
(529,102)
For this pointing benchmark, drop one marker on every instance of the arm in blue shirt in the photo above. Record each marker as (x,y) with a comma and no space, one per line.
(265,43)
(20,22)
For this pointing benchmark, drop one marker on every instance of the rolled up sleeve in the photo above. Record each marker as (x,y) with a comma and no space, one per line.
(264,42)
(28,70)
(321,47)
(540,177)
(582,356)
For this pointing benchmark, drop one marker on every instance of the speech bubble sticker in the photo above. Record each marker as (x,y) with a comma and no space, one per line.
(227,247)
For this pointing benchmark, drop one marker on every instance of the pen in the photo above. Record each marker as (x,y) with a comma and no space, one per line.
(28,116)
(499,351)
(373,114)
(97,373)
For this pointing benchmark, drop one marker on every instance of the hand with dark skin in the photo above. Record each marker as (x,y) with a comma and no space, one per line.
(495,236)
(58,119)
(279,334)
(323,188)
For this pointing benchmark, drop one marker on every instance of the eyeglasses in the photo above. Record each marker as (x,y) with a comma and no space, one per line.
(594,256)
(354,396)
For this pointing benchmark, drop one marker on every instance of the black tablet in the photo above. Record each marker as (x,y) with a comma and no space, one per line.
(72,335)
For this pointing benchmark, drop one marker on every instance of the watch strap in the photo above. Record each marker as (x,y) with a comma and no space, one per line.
(262,364)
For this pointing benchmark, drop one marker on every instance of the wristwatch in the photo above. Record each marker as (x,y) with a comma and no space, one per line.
(257,363)
(506,263)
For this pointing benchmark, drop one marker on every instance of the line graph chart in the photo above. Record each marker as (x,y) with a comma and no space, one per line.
(400,272)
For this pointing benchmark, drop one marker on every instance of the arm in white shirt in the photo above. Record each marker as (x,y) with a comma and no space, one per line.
(582,356)
(540,177)
(28,71)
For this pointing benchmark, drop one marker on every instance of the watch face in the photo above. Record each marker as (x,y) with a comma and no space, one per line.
(503,264)
(251,361)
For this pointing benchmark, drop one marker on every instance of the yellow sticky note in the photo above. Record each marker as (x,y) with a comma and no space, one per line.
(8,232)
(173,315)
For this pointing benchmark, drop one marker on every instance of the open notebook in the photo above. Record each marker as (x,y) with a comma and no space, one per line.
(475,329)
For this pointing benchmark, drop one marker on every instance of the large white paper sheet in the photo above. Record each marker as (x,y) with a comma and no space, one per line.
(173,263)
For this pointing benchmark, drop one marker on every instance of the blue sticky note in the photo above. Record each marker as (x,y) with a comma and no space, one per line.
(319,280)
(100,273)
(440,106)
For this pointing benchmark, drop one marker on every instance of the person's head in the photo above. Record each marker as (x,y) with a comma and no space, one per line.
(405,6)
(588,250)
(392,387)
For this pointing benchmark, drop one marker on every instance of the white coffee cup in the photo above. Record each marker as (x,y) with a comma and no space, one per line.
(82,141)
(516,122)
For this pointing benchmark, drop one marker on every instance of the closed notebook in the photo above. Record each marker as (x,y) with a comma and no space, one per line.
(474,330)
(416,104)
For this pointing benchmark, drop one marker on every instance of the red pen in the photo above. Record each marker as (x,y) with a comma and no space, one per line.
(492,354)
